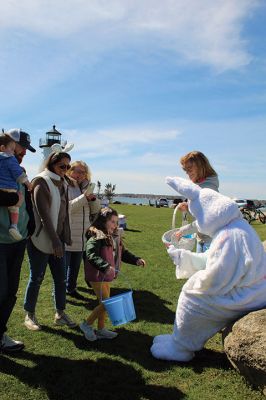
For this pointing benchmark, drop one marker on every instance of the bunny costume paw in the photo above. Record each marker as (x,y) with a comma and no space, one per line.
(167,349)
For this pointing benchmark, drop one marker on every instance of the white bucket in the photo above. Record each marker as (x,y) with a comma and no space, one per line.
(122,221)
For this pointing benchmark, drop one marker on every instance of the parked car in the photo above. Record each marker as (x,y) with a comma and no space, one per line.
(162,202)
(176,202)
(241,202)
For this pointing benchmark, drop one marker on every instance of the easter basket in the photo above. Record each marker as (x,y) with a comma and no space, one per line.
(187,242)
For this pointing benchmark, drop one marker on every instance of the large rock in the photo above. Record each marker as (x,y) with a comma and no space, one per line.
(245,346)
(264,244)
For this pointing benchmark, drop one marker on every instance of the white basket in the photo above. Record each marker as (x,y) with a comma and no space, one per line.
(186,242)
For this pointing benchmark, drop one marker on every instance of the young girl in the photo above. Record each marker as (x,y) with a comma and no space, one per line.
(104,251)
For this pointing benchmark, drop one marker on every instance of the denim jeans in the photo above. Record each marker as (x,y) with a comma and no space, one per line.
(72,260)
(202,247)
(11,258)
(38,263)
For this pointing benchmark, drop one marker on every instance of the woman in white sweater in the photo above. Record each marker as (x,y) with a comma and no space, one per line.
(83,207)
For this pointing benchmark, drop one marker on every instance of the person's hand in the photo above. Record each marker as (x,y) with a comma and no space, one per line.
(29,186)
(58,251)
(90,197)
(178,235)
(140,262)
(20,199)
(182,206)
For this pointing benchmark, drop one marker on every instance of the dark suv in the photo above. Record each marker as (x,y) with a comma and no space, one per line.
(163,202)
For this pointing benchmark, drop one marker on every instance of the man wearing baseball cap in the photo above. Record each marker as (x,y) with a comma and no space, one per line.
(11,251)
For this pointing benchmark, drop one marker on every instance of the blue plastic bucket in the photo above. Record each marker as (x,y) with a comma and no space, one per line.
(120,308)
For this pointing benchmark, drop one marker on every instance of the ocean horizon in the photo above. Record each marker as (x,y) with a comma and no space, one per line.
(137,200)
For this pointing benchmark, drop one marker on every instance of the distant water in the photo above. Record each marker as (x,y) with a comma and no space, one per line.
(132,200)
(135,200)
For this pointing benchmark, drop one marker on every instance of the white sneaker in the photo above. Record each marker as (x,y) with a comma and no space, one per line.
(9,345)
(88,331)
(32,323)
(61,318)
(14,233)
(105,334)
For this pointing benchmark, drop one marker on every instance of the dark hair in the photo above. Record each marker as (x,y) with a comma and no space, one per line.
(104,215)
(54,158)
(5,139)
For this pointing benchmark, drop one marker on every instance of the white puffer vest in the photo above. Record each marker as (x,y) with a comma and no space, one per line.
(40,239)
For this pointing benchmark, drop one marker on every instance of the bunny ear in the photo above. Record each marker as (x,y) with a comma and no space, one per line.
(183,186)
(68,147)
(56,148)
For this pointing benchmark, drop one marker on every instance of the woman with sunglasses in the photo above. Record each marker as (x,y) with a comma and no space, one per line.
(199,170)
(52,233)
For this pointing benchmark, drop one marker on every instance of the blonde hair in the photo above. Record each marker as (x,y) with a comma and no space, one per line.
(204,168)
(75,164)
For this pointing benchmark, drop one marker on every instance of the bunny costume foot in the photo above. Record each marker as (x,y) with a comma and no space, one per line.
(167,349)
(161,338)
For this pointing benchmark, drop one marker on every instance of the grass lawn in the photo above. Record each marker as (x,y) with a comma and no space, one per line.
(58,363)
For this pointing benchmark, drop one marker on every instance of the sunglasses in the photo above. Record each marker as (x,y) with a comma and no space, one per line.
(64,167)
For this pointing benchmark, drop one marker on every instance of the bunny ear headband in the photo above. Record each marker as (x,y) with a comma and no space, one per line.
(57,148)
(106,210)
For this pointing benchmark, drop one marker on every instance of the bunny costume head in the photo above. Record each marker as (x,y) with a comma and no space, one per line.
(211,209)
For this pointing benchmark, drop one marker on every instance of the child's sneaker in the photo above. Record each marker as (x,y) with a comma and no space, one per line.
(105,334)
(32,323)
(14,233)
(62,318)
(88,331)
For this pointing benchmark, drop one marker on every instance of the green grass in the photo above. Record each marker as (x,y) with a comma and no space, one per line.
(58,363)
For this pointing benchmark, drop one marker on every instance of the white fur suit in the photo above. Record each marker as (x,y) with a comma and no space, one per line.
(226,282)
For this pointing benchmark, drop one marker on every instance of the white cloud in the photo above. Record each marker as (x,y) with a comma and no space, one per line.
(117,141)
(132,182)
(159,160)
(203,31)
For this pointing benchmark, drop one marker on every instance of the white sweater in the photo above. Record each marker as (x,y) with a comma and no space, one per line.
(80,212)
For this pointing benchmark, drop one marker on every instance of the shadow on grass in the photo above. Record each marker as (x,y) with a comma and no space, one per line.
(207,358)
(135,347)
(132,346)
(132,230)
(148,306)
(83,289)
(62,378)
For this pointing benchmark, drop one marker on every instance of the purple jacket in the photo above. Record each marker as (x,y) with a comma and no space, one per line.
(100,257)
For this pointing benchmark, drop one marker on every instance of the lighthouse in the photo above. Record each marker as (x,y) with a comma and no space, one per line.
(53,142)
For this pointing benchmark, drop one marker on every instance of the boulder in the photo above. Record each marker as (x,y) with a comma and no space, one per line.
(245,346)
(264,244)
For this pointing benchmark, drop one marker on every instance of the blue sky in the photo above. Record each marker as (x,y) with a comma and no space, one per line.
(137,84)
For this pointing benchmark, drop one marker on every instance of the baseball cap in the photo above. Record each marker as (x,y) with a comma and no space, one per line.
(21,138)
